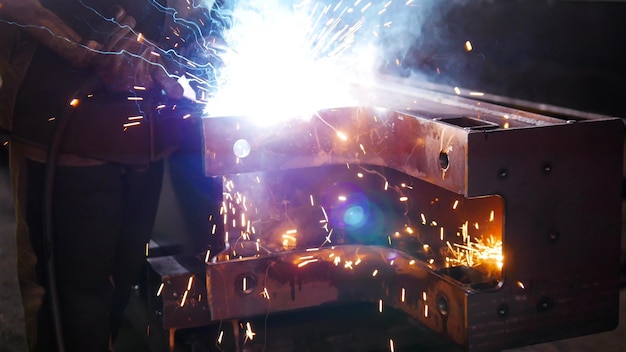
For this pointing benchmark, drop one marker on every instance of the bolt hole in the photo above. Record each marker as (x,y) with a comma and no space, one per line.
(245,283)
(444,160)
(442,305)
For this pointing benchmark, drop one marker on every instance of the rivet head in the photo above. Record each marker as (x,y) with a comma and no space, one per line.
(546,168)
(553,236)
(545,304)
(503,310)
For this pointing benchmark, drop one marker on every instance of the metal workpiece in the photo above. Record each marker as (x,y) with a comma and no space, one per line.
(492,226)
(343,274)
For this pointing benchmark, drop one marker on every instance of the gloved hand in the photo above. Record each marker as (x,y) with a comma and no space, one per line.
(129,60)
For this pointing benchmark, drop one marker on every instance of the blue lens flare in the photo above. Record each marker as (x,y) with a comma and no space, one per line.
(354,216)
(347,205)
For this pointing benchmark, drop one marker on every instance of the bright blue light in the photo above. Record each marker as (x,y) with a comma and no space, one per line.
(354,216)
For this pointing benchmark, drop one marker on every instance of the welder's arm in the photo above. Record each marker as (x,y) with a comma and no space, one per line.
(48,29)
(128,62)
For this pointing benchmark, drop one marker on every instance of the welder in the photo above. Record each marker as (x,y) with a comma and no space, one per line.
(105,67)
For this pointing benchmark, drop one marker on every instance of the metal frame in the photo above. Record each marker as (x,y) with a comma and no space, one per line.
(559,180)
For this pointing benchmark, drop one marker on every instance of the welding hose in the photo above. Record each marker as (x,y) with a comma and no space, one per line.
(48,199)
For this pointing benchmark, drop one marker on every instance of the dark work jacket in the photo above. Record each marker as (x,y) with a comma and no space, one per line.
(101,125)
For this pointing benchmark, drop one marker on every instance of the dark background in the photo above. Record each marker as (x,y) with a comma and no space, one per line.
(563,53)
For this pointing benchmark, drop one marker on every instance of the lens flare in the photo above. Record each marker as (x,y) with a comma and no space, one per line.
(354,216)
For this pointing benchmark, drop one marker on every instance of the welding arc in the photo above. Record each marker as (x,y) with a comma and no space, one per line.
(48,236)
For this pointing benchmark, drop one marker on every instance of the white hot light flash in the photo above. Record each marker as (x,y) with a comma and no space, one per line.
(289,60)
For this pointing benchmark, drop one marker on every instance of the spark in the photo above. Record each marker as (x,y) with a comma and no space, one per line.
(457,90)
(468,46)
(306,262)
(455,205)
(74,102)
(391,346)
(160,290)
(403,295)
(342,136)
(220,337)
(327,239)
(131,124)
(182,302)
(190,283)
(134,98)
(521,285)
(337,260)
(375,272)
(477,252)
(380,305)
(147,252)
(249,333)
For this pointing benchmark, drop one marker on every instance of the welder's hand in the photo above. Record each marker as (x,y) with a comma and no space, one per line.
(50,30)
(129,60)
